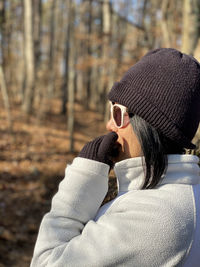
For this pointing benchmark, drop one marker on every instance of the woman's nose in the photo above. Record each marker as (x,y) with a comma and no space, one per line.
(110,126)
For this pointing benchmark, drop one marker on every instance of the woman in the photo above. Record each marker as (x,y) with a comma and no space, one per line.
(155,219)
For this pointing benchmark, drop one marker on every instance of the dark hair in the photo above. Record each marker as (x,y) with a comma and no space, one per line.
(155,147)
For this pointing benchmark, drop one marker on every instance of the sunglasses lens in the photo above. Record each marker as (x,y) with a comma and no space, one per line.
(117,115)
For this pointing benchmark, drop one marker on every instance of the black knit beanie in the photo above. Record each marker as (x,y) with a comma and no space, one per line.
(164,89)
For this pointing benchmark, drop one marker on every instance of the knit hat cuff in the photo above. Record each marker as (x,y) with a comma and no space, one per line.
(141,106)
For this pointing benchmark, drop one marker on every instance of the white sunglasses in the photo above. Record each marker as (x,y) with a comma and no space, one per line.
(119,115)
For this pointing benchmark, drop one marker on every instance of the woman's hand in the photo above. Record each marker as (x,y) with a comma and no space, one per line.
(103,149)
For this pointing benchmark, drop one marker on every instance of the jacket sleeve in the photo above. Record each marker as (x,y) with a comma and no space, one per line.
(77,201)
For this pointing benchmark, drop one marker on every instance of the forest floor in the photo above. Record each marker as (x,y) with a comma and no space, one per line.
(32,163)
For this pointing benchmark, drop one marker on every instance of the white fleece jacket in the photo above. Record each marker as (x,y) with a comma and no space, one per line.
(147,228)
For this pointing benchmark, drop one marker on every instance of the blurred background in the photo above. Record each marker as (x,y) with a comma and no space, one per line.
(58,60)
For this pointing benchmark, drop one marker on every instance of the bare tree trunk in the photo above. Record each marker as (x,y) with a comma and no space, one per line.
(6,24)
(164,23)
(197,51)
(3,31)
(37,18)
(71,80)
(111,70)
(69,74)
(52,49)
(191,25)
(87,101)
(71,100)
(81,93)
(5,97)
(149,23)
(106,32)
(29,57)
(37,34)
(66,58)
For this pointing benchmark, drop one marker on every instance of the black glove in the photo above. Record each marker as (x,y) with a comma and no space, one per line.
(102,149)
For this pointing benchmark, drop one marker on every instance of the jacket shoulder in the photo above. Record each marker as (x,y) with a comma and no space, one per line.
(160,220)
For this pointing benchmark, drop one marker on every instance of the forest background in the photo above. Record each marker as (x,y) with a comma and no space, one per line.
(58,60)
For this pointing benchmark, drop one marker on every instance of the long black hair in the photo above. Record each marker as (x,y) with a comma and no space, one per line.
(155,147)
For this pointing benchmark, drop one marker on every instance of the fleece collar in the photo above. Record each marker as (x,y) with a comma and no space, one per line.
(182,169)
